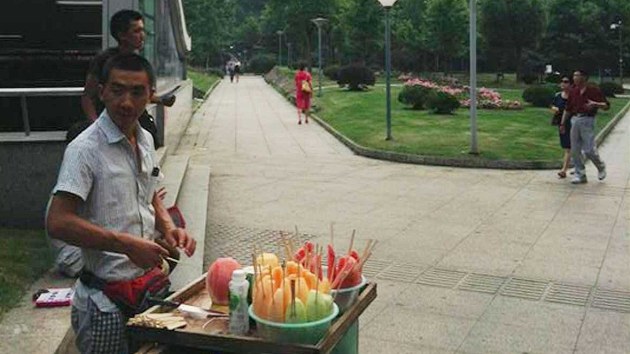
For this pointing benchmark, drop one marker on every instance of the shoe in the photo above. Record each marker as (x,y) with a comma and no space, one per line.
(299,122)
(562,174)
(601,174)
(306,121)
(579,180)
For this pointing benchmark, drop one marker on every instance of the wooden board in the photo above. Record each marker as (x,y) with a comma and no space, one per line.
(214,335)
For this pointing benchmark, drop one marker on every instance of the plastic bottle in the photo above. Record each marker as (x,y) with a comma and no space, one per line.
(239,319)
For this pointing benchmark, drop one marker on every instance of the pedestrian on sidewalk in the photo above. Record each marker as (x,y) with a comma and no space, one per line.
(231,71)
(582,106)
(558,106)
(102,203)
(303,92)
(237,70)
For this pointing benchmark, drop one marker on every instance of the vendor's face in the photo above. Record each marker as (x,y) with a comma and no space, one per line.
(126,94)
(135,35)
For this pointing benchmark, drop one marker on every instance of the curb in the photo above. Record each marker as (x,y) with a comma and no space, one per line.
(205,96)
(472,162)
(601,136)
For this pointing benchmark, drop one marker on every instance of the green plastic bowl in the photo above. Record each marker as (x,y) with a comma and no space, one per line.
(300,333)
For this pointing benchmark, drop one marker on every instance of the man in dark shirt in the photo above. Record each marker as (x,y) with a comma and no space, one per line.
(582,106)
(127,27)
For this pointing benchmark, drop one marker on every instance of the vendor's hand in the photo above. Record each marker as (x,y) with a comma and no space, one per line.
(168,101)
(143,253)
(161,193)
(178,237)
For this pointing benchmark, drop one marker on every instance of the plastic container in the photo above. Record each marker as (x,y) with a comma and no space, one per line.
(239,321)
(300,333)
(346,297)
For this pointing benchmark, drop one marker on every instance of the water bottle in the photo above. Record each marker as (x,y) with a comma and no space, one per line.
(239,319)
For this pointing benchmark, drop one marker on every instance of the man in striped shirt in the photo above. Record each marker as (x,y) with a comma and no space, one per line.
(102,202)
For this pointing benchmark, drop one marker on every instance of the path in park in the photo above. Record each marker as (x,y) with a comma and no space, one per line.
(468,260)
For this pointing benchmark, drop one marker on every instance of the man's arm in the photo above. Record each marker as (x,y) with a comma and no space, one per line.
(64,224)
(175,236)
(89,90)
(168,100)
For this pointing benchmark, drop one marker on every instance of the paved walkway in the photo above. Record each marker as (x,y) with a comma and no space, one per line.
(473,261)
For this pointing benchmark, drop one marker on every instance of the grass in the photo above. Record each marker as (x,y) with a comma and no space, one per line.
(24,256)
(509,135)
(201,80)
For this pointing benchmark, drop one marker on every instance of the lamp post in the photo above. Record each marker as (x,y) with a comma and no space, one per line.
(319,22)
(387,5)
(473,77)
(289,44)
(279,33)
(618,26)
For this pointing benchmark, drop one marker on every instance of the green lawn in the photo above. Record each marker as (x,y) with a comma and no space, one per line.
(511,135)
(201,80)
(24,257)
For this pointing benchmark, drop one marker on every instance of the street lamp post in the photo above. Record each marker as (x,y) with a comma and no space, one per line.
(618,26)
(387,5)
(319,22)
(473,77)
(289,44)
(279,33)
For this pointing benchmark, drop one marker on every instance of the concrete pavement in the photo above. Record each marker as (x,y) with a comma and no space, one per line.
(473,261)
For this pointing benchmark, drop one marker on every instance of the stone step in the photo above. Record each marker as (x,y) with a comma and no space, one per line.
(193,203)
(174,170)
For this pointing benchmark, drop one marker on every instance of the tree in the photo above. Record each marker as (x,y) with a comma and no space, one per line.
(509,27)
(363,27)
(447,29)
(409,34)
(209,22)
(579,36)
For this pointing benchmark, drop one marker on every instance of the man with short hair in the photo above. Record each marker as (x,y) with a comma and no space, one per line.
(127,28)
(582,106)
(102,202)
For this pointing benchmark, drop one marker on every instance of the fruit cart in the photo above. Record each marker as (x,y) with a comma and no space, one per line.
(210,336)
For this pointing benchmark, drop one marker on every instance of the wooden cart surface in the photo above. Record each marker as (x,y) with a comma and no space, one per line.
(214,338)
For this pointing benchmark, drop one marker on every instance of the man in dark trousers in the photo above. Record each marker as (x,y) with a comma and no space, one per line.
(582,106)
(102,203)
(127,28)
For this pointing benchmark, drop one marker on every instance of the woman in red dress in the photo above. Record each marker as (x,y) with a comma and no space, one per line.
(303,92)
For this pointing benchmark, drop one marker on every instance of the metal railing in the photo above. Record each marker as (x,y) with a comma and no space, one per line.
(23,93)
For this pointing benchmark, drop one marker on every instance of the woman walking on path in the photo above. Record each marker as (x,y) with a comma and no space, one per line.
(558,106)
(303,92)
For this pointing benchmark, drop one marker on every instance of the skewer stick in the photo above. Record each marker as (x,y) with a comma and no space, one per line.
(172,259)
(351,242)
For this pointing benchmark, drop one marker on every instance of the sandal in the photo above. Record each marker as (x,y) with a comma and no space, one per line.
(562,174)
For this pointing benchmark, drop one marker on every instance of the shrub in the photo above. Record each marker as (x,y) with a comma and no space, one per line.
(215,72)
(553,78)
(357,77)
(610,89)
(529,78)
(261,63)
(332,72)
(414,96)
(442,103)
(539,96)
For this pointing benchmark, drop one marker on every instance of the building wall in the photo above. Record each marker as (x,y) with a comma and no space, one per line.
(28,172)
(178,116)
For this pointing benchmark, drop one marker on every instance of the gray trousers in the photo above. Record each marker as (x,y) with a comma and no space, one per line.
(583,139)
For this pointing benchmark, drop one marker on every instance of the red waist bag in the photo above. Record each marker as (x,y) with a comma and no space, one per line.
(131,296)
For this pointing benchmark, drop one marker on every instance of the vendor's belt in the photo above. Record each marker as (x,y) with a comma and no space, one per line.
(131,296)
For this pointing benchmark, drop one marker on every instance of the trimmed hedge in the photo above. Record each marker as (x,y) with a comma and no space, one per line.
(610,89)
(357,77)
(332,72)
(414,96)
(442,103)
(539,96)
(261,63)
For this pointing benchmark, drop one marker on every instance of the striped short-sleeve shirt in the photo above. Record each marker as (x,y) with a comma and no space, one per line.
(116,188)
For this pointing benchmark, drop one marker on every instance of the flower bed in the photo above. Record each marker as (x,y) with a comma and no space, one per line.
(486,98)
